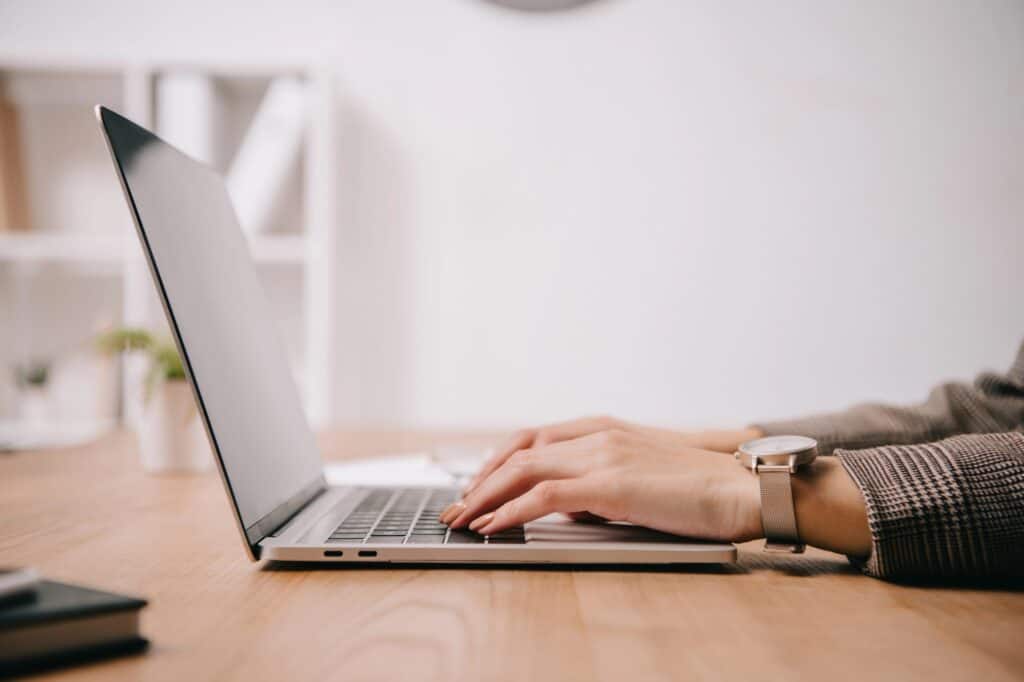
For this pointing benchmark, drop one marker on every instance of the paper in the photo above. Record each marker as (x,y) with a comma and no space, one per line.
(443,467)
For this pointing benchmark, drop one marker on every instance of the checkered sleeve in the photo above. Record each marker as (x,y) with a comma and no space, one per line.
(943,481)
(994,403)
(949,508)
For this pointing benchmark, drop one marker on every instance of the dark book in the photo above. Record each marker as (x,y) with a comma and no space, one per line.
(62,624)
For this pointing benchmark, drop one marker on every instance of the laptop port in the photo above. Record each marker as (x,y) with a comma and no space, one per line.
(367,552)
(333,552)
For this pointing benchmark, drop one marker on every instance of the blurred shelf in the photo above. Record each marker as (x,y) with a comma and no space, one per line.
(52,247)
(281,249)
(73,248)
(104,244)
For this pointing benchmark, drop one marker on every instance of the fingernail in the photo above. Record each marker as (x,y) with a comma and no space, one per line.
(482,521)
(485,530)
(452,511)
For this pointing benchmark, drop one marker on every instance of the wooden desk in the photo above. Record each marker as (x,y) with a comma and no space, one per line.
(90,515)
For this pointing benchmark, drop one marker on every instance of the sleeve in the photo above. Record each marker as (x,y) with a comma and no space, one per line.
(949,508)
(993,404)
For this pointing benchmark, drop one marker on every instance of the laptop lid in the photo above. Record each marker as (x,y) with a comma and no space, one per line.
(219,316)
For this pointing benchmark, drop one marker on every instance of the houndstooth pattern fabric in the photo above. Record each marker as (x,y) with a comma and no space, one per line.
(937,505)
(950,508)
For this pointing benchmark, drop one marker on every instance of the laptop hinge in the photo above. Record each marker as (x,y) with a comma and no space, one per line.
(298,512)
(274,522)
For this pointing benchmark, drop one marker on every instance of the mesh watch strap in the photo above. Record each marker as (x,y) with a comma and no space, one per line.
(778,515)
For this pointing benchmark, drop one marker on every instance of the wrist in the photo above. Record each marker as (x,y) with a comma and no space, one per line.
(745,492)
(817,503)
(830,510)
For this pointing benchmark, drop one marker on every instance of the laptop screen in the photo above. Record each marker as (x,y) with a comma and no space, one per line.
(216,306)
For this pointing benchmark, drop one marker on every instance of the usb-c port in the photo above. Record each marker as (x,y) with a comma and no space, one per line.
(333,552)
(367,552)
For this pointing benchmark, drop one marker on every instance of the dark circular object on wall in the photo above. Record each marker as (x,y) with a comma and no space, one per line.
(540,5)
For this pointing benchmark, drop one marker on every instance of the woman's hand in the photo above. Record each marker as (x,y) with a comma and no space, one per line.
(720,441)
(619,475)
(654,481)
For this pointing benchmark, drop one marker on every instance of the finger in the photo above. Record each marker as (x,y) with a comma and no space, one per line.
(582,450)
(518,474)
(575,428)
(566,496)
(518,441)
(546,435)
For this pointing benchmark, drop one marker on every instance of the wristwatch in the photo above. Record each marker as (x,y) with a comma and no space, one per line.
(774,459)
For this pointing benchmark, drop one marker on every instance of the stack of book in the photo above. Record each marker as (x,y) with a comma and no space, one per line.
(46,624)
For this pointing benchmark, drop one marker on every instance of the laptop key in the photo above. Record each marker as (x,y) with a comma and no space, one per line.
(386,539)
(425,540)
(462,537)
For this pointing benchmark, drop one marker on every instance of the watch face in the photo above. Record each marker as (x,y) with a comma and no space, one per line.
(777,445)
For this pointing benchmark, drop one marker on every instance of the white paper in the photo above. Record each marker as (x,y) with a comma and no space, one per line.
(439,468)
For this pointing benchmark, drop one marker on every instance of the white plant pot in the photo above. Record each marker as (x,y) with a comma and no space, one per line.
(171,435)
(34,405)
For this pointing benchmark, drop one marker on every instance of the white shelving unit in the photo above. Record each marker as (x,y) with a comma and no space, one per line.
(306,251)
(110,249)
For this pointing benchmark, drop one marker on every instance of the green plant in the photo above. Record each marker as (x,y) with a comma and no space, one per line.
(164,361)
(33,374)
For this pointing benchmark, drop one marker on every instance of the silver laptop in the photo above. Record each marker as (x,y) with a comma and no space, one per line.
(265,450)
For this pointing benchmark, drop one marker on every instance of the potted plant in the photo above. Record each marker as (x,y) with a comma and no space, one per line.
(32,379)
(171,436)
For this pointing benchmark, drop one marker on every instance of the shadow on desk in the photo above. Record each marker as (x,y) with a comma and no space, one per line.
(808,566)
(796,564)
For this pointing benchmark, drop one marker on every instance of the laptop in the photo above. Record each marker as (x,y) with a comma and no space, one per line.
(264,448)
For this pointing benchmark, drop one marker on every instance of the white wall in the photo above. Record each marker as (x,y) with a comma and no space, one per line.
(681,212)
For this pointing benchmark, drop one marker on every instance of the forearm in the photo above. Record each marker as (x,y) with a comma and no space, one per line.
(873,424)
(994,403)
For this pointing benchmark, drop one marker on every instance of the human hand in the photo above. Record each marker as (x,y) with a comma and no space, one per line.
(717,440)
(619,475)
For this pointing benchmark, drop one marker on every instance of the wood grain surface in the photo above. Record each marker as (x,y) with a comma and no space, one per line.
(90,515)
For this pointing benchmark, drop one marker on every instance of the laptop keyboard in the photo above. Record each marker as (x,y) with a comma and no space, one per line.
(409,517)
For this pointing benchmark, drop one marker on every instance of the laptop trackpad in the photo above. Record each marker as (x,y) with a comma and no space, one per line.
(558,528)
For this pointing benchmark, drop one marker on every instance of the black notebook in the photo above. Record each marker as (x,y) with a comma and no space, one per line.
(62,624)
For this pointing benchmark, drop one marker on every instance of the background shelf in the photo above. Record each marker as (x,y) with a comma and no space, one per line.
(79,267)
(72,248)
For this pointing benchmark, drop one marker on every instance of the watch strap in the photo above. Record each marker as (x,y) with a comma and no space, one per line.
(778,513)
